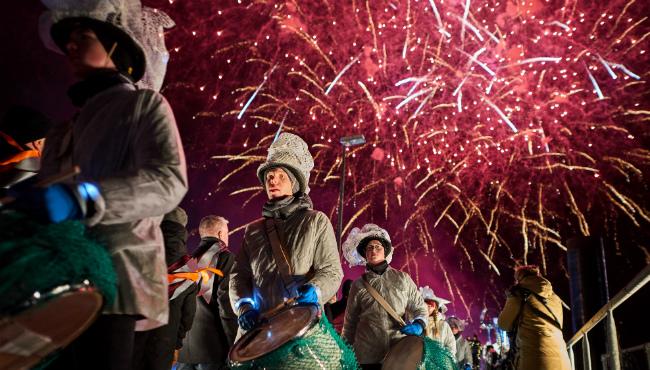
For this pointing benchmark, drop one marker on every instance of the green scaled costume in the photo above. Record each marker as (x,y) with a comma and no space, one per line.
(38,257)
(436,357)
(320,348)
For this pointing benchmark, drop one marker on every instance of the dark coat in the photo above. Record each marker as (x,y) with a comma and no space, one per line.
(215,324)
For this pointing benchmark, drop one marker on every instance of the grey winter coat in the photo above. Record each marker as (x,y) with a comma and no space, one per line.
(126,141)
(367,326)
(463,352)
(309,239)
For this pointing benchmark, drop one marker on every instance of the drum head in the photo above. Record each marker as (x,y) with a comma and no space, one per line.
(406,354)
(285,326)
(27,337)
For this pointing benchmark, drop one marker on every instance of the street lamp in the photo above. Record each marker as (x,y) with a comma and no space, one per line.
(347,142)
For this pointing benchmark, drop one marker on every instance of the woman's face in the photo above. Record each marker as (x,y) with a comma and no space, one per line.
(432,307)
(278,183)
(375,252)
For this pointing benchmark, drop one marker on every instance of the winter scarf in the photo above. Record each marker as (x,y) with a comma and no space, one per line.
(99,81)
(283,208)
(378,269)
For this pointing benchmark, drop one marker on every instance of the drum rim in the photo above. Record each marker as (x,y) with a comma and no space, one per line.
(42,296)
(301,333)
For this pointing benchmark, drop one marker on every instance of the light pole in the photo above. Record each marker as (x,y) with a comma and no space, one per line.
(347,142)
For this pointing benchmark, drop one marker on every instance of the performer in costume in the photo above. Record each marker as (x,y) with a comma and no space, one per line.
(307,266)
(367,325)
(438,329)
(463,348)
(125,141)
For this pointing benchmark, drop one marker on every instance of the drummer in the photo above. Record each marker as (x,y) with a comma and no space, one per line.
(368,327)
(438,329)
(307,267)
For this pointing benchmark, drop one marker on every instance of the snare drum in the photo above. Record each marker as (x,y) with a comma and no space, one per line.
(53,283)
(297,337)
(418,353)
(46,322)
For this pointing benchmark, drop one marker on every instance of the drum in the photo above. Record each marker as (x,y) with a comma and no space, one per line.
(296,337)
(48,321)
(418,353)
(54,280)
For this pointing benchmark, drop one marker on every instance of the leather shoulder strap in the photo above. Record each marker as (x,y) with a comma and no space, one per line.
(279,254)
(375,294)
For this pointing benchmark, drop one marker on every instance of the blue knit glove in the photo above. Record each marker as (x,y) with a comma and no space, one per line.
(307,295)
(249,319)
(56,203)
(413,328)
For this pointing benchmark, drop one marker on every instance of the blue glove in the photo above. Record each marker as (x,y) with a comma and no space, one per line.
(56,203)
(413,328)
(249,319)
(307,294)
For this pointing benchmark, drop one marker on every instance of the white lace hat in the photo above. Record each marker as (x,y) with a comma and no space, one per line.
(357,240)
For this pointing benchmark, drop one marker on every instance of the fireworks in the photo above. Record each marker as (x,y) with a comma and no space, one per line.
(506,126)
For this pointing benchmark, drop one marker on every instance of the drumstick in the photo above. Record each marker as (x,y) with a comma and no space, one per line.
(74,171)
(271,312)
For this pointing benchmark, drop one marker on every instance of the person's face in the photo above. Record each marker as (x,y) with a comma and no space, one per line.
(278,183)
(222,234)
(86,53)
(375,252)
(432,307)
(454,330)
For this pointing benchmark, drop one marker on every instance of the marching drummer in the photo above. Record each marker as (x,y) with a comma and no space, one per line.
(368,326)
(438,329)
(291,252)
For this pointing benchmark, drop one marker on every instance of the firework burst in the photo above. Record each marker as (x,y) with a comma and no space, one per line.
(507,126)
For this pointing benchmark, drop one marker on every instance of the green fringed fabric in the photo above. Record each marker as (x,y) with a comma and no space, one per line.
(37,257)
(320,348)
(436,357)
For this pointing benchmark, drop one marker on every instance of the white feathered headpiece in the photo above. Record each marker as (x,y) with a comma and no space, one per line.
(359,237)
(429,295)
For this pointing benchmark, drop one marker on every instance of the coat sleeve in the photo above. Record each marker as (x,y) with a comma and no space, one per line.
(352,311)
(328,272)
(509,313)
(228,317)
(241,278)
(448,339)
(467,357)
(160,180)
(188,311)
(415,307)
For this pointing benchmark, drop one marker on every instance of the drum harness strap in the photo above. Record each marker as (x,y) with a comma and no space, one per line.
(279,254)
(375,294)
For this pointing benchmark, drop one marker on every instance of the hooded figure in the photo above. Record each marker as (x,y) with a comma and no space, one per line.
(536,311)
(132,167)
(463,349)
(306,237)
(367,326)
(437,328)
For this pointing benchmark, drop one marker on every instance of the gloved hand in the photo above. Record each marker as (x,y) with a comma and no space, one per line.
(413,328)
(249,318)
(307,294)
(56,203)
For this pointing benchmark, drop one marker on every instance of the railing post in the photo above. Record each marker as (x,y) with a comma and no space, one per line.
(586,353)
(612,342)
(572,358)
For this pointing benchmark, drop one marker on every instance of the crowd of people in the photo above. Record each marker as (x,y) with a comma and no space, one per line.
(190,308)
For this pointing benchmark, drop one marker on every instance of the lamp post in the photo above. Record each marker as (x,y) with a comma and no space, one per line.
(346,142)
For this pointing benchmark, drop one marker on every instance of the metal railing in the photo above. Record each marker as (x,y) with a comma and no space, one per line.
(607,311)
